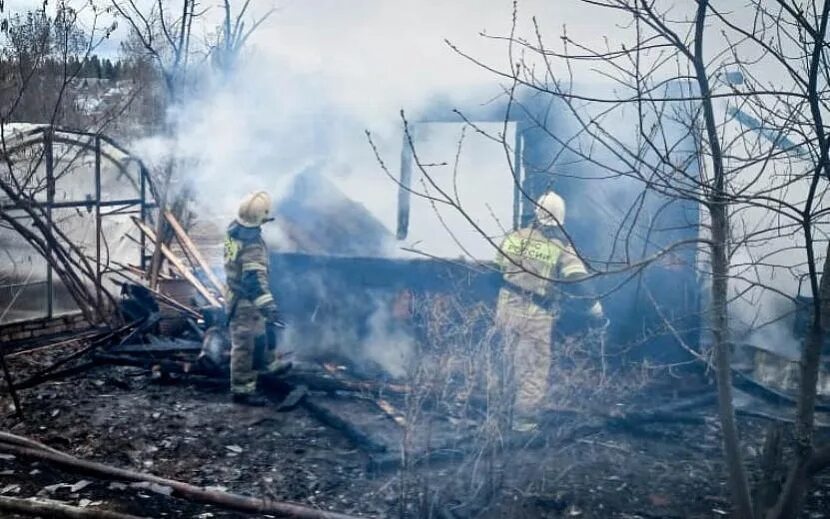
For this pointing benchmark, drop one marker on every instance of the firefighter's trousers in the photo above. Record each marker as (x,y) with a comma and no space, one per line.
(526,330)
(247,329)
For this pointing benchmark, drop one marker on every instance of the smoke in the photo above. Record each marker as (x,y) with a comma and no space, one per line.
(338,322)
(319,73)
(313,79)
(391,346)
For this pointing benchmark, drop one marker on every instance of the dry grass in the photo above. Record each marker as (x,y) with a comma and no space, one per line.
(461,380)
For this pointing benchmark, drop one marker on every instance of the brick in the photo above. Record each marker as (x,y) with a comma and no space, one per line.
(36,325)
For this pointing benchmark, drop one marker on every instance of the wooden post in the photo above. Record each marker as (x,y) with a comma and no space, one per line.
(98,298)
(176,262)
(191,249)
(50,199)
(9,382)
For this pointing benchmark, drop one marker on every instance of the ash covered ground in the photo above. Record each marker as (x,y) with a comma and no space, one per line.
(188,430)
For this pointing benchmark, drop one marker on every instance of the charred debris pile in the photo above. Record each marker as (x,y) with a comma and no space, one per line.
(174,328)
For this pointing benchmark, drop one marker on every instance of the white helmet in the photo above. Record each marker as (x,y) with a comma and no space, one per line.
(550,210)
(254,210)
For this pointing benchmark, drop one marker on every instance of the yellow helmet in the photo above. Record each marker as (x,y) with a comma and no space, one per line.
(550,210)
(254,210)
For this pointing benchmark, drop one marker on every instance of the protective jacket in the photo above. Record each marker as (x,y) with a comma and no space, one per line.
(531,260)
(246,267)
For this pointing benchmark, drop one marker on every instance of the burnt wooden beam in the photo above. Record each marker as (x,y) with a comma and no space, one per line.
(350,431)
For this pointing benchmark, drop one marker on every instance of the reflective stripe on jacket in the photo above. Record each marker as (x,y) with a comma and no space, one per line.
(531,261)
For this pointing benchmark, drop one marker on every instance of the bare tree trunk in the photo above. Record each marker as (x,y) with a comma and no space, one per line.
(791,499)
(792,496)
(738,482)
(155,263)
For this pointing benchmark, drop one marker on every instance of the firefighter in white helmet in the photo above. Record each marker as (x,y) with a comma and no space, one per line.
(250,303)
(532,259)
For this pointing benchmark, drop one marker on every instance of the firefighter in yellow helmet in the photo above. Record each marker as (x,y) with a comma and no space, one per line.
(250,303)
(532,259)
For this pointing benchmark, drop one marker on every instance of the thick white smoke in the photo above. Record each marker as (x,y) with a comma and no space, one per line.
(320,72)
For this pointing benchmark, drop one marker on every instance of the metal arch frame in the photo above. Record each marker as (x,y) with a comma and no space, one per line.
(47,136)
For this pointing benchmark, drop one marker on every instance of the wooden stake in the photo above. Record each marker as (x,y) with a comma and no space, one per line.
(9,382)
(192,250)
(176,262)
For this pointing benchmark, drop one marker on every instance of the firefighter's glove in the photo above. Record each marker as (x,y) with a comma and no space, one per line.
(597,316)
(271,313)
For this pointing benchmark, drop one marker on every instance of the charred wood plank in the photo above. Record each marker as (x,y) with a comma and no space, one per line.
(364,384)
(354,434)
(331,381)
(746,382)
(386,462)
(27,346)
(389,410)
(163,366)
(175,346)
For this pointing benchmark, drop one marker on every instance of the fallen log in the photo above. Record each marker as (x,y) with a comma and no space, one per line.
(355,435)
(317,380)
(179,489)
(53,509)
(362,385)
